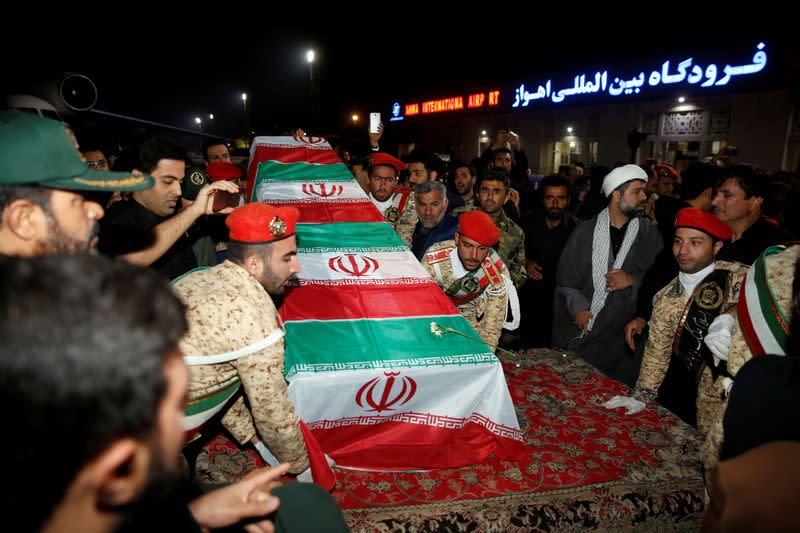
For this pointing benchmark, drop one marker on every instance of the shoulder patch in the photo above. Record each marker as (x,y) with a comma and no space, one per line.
(437,256)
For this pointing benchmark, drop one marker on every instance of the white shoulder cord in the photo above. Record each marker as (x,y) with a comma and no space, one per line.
(513,301)
(269,340)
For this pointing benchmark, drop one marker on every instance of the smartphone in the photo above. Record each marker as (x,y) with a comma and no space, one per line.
(374,122)
(225,199)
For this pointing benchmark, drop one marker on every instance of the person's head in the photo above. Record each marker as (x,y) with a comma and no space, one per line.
(359,166)
(476,235)
(431,198)
(575,172)
(166,162)
(423,166)
(492,190)
(106,385)
(464,176)
(697,185)
(665,179)
(624,187)
(50,199)
(555,196)
(699,236)
(740,194)
(263,242)
(383,171)
(95,157)
(502,158)
(215,150)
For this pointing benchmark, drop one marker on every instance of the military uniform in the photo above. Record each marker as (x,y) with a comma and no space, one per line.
(400,211)
(512,244)
(669,306)
(780,276)
(228,309)
(484,306)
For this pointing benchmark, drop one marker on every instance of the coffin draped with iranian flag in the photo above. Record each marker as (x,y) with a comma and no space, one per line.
(376,386)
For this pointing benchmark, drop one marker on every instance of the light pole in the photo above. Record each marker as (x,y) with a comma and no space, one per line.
(313,83)
(199,122)
(246,116)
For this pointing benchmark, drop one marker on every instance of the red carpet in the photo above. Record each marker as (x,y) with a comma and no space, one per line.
(587,467)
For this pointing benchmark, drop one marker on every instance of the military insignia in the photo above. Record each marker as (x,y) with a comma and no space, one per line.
(277,227)
(471,285)
(197,177)
(709,296)
(392,215)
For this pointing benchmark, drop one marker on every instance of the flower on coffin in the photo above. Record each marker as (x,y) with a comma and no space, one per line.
(439,330)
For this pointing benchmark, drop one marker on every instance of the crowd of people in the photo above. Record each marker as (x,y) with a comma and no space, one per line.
(677,284)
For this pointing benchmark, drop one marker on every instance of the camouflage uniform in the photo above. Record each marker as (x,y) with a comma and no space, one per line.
(780,275)
(487,312)
(403,217)
(512,244)
(668,307)
(228,309)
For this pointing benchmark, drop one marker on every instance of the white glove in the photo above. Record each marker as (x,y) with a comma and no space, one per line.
(306,477)
(632,405)
(718,338)
(727,384)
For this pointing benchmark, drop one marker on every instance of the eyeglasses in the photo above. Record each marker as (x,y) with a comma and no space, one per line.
(100,163)
(385,179)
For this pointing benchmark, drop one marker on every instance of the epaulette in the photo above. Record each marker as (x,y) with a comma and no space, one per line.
(437,256)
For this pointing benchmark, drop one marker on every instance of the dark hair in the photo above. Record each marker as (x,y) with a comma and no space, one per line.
(493,174)
(37,195)
(154,150)
(432,162)
(698,177)
(463,164)
(81,365)
(753,182)
(502,150)
(208,144)
(363,161)
(557,181)
(239,251)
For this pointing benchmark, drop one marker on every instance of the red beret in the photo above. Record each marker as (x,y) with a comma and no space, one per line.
(479,227)
(258,223)
(379,158)
(663,171)
(222,170)
(691,217)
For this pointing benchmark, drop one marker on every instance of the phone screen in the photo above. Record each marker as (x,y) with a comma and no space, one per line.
(225,199)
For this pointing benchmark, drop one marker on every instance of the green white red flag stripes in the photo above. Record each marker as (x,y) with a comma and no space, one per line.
(367,375)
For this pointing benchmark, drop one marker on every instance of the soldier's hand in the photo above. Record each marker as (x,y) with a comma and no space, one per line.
(634,327)
(582,320)
(618,279)
(631,405)
(534,269)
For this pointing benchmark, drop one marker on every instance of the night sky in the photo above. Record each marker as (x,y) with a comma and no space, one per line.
(361,66)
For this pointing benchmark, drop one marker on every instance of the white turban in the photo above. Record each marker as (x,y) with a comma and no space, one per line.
(621,175)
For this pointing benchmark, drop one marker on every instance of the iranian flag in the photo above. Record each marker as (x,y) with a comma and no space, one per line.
(377,387)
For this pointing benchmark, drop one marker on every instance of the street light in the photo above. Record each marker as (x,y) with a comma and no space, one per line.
(198,120)
(312,85)
(244,101)
(211,116)
(355,118)
(310,56)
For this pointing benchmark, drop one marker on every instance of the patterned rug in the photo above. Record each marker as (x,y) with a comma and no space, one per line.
(588,467)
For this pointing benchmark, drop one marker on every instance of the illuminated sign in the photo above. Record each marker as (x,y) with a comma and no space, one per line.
(455,103)
(396,113)
(686,73)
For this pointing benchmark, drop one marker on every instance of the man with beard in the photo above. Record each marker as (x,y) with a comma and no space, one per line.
(599,274)
(676,368)
(474,276)
(108,389)
(50,199)
(396,204)
(230,313)
(434,224)
(546,235)
(464,176)
(145,229)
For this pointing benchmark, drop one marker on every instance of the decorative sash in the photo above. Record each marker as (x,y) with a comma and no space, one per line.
(708,300)
(399,203)
(764,324)
(469,287)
